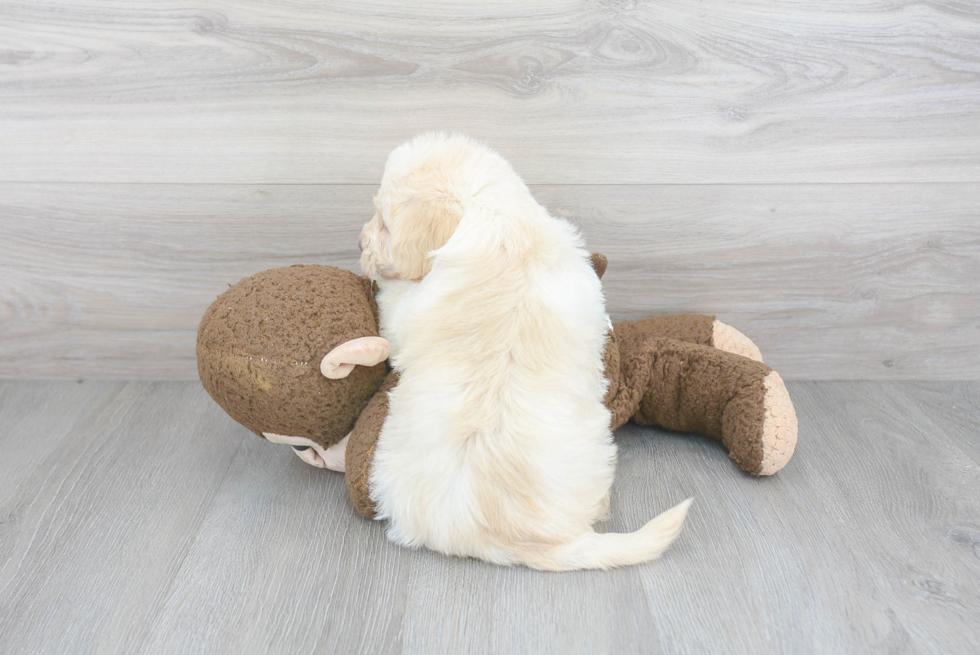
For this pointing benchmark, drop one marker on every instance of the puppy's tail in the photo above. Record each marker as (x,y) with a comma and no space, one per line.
(603,551)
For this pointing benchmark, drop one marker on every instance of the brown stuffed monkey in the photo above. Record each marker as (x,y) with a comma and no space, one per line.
(294,355)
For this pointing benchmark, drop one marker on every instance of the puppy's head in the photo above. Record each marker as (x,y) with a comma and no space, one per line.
(424,190)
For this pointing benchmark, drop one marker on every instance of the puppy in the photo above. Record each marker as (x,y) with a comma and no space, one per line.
(497,442)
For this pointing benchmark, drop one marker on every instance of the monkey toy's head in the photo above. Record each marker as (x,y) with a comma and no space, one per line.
(294,354)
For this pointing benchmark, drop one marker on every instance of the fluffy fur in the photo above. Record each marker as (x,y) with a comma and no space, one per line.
(497,443)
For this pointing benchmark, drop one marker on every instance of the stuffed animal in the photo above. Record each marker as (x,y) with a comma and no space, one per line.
(294,355)
(262,343)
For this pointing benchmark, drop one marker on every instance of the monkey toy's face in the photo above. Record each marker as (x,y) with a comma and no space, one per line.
(294,355)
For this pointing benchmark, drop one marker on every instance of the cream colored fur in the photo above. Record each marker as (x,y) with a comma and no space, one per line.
(497,443)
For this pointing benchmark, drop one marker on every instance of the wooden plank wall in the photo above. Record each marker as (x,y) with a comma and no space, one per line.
(809,172)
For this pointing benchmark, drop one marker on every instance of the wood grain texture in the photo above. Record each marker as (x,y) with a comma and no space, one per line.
(32,433)
(832,281)
(570,92)
(281,543)
(163,527)
(94,529)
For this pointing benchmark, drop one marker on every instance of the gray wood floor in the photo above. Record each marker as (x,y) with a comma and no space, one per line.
(136,516)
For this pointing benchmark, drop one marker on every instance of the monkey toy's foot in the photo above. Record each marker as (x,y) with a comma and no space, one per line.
(725,337)
(761,444)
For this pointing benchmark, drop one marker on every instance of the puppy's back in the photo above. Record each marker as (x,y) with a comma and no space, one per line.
(501,390)
(497,443)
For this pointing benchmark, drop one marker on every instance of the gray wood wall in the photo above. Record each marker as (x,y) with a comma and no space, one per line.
(809,172)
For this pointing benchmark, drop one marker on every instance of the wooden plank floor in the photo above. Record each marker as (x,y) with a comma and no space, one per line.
(137,517)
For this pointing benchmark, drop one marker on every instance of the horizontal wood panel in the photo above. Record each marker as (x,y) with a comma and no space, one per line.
(832,281)
(570,92)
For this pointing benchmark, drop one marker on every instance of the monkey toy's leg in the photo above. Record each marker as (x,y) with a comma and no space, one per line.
(361,444)
(697,388)
(692,328)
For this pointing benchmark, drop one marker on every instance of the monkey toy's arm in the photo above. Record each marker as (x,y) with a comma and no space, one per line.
(361,444)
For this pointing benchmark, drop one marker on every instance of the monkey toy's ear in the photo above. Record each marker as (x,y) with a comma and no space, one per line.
(364,351)
(599,263)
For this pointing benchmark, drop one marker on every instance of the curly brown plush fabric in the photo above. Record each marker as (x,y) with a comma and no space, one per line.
(628,380)
(260,343)
(692,328)
(693,388)
(361,445)
(672,376)
(599,263)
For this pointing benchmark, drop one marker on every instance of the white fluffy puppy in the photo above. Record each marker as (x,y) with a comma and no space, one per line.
(497,443)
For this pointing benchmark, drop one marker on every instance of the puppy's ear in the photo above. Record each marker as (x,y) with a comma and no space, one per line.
(424,219)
